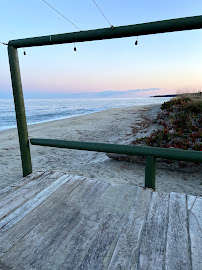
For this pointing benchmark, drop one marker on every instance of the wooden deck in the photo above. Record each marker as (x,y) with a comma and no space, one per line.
(51,220)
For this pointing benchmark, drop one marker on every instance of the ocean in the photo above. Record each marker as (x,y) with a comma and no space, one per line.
(44,110)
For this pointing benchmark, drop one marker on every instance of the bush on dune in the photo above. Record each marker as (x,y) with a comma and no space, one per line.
(180,125)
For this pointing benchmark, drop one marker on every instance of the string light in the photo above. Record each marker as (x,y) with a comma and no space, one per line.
(136,42)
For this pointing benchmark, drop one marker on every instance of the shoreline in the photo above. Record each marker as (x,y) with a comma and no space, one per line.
(108,126)
(51,120)
(86,110)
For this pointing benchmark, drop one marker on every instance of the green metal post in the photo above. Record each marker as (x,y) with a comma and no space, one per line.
(20,110)
(150,172)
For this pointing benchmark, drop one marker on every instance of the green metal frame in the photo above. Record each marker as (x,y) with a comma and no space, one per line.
(20,110)
(151,153)
(173,154)
(180,24)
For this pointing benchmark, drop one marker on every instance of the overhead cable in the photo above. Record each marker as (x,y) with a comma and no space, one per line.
(3,43)
(103,14)
(61,14)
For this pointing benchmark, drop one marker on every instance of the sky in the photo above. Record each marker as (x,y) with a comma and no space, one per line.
(166,63)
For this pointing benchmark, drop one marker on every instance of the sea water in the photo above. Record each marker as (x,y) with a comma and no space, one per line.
(44,110)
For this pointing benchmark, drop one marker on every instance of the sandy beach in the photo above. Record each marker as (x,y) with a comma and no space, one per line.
(110,126)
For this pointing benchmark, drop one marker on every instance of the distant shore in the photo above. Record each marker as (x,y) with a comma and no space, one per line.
(199,94)
(164,96)
(109,126)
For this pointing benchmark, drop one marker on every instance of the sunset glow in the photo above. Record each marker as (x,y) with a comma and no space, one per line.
(169,61)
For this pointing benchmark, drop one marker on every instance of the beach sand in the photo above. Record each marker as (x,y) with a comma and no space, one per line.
(110,126)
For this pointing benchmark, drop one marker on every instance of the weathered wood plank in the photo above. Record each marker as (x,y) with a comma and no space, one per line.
(69,243)
(78,223)
(29,205)
(16,191)
(71,239)
(108,216)
(63,217)
(27,179)
(126,249)
(22,187)
(5,191)
(152,247)
(194,205)
(25,193)
(20,184)
(48,206)
(177,248)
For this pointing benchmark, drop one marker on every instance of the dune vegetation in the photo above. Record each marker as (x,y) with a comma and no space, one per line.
(179,124)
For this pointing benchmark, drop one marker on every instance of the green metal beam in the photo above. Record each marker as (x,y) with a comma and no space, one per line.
(150,172)
(20,111)
(180,24)
(195,156)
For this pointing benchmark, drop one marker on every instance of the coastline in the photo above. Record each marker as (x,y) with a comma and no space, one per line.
(109,126)
(40,111)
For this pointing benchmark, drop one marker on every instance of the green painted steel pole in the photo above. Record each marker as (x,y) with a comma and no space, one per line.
(150,172)
(194,156)
(20,110)
(150,28)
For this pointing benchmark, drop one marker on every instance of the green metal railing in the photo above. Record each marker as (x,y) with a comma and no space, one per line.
(179,24)
(151,153)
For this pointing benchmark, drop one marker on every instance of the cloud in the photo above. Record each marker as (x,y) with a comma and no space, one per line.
(102,94)
(84,95)
(111,94)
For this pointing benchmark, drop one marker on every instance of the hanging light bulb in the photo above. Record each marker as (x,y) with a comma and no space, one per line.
(74,47)
(24,51)
(136,42)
